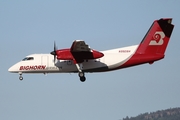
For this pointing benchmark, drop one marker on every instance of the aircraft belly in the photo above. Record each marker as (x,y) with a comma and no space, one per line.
(87,66)
(96,65)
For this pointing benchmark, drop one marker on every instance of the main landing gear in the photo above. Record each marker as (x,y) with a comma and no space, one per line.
(81,73)
(20,76)
(82,76)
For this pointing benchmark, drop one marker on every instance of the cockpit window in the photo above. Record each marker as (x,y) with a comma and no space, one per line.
(28,58)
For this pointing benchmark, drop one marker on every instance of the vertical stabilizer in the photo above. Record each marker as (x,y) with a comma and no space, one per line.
(154,43)
(156,39)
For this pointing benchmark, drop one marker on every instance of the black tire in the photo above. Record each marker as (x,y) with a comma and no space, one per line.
(20,78)
(83,79)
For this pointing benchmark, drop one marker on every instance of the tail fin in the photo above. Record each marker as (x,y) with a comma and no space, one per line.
(156,39)
(153,45)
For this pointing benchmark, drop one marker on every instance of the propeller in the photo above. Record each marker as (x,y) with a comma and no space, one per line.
(54,52)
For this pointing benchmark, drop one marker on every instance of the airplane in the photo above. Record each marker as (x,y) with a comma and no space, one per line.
(80,58)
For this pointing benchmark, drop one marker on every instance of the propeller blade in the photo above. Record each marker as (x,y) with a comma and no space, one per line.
(54,59)
(55,48)
(54,52)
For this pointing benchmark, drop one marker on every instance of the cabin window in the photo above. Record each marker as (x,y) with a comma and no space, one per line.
(28,58)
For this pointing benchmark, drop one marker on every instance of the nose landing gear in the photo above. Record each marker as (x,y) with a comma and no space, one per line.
(20,77)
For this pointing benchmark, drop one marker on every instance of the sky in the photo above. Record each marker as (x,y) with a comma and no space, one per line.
(28,27)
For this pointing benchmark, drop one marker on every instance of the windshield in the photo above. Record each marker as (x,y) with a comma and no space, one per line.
(28,58)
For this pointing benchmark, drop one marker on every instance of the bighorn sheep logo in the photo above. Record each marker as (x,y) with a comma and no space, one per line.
(157,38)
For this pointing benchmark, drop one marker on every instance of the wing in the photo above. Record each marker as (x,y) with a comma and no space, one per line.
(81,51)
(80,46)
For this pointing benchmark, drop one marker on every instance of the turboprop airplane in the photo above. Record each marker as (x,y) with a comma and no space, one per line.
(80,58)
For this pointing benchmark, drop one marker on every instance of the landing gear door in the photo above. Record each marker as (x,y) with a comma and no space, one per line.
(44,61)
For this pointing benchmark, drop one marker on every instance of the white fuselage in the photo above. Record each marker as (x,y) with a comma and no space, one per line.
(44,63)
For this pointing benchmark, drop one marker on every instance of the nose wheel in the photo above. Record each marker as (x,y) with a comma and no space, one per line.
(82,76)
(20,77)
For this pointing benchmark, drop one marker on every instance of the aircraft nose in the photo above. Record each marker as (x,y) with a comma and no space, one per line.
(12,69)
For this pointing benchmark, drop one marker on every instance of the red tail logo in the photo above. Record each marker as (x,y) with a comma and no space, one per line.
(157,38)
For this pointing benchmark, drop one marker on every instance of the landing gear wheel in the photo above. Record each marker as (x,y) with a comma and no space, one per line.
(83,79)
(81,74)
(20,78)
